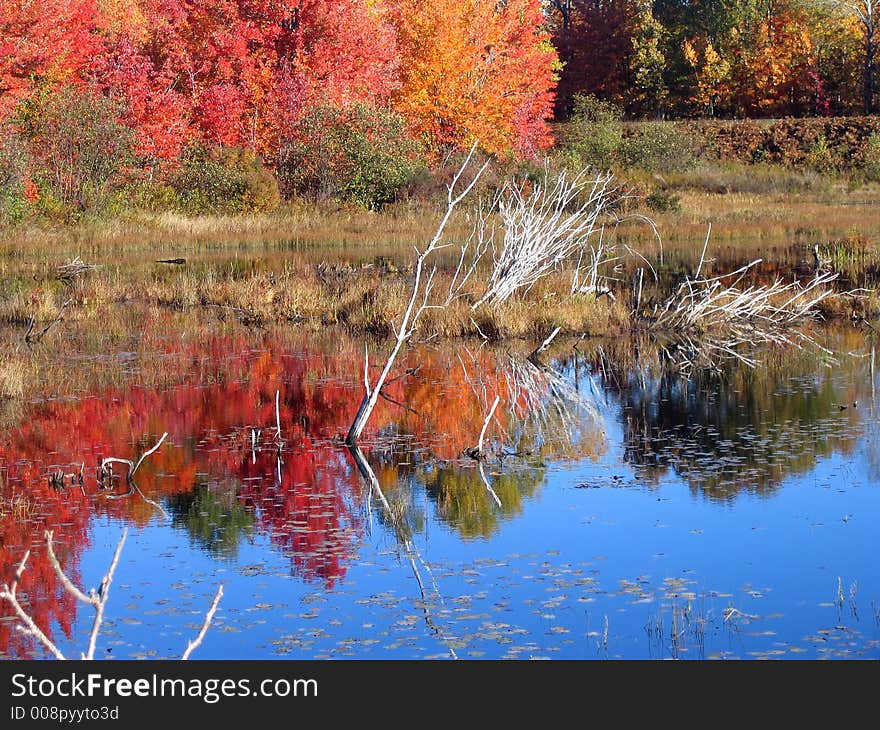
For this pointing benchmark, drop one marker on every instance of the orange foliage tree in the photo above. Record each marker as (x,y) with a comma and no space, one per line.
(476,70)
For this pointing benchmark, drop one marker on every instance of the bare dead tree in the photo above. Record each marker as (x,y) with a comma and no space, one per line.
(419,301)
(544,227)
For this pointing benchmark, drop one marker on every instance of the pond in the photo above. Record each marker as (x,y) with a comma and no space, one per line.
(623,510)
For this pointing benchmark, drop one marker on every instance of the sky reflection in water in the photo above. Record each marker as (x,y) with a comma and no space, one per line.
(643,516)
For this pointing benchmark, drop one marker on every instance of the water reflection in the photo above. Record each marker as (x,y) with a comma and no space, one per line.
(225,476)
(738,428)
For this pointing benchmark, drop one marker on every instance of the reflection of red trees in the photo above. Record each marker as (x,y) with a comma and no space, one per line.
(41,508)
(210,400)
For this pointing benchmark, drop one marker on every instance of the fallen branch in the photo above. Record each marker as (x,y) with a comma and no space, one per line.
(10,594)
(713,316)
(30,337)
(72,269)
(476,452)
(97,599)
(106,470)
(418,303)
(544,345)
(544,226)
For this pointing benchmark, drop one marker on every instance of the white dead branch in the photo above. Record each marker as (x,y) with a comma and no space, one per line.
(477,452)
(197,642)
(419,301)
(10,594)
(544,228)
(107,464)
(72,269)
(714,316)
(588,279)
(97,599)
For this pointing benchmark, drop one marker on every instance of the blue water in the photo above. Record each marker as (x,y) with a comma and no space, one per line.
(605,559)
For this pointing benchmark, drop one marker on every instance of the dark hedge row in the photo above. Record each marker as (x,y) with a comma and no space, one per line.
(789,142)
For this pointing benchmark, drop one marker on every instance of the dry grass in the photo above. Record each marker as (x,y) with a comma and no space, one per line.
(319,266)
(362,300)
(15,373)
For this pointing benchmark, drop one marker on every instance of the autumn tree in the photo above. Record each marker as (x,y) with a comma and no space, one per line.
(44,43)
(867,15)
(773,62)
(711,72)
(476,70)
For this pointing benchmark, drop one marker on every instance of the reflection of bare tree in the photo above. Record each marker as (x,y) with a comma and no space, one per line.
(551,412)
(410,549)
(737,428)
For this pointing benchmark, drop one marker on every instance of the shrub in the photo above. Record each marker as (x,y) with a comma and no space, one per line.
(13,176)
(360,153)
(594,133)
(77,143)
(868,158)
(658,147)
(663,201)
(820,157)
(219,180)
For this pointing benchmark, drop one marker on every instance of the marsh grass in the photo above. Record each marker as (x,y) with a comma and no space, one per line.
(16,507)
(326,266)
(15,374)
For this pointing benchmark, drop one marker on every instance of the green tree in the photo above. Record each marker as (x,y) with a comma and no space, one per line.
(360,153)
(77,143)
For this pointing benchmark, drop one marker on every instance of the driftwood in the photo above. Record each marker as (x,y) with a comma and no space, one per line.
(30,336)
(105,472)
(97,599)
(72,269)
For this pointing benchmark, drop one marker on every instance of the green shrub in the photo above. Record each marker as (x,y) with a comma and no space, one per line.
(663,201)
(77,144)
(820,157)
(658,147)
(594,133)
(868,158)
(13,176)
(360,153)
(218,180)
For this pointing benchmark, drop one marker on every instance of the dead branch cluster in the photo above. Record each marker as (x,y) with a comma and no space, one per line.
(711,318)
